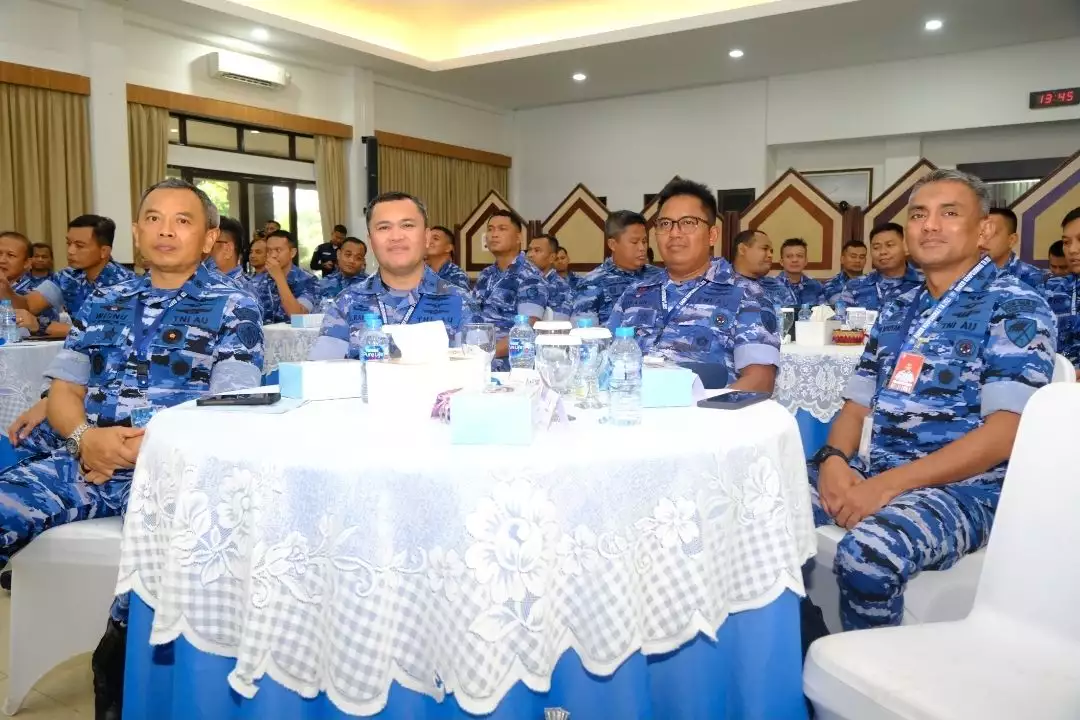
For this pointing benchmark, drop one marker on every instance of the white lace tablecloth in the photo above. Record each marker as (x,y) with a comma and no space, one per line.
(284,343)
(21,376)
(812,378)
(453,568)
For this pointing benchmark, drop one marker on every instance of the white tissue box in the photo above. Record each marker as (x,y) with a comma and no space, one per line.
(321,379)
(814,332)
(492,418)
(415,386)
(312,320)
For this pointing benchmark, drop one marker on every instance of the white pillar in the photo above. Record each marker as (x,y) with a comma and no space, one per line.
(362,113)
(901,153)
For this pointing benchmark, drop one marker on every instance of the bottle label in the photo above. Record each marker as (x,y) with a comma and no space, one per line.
(373,353)
(517,348)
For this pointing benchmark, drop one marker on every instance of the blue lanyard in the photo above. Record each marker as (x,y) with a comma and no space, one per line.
(672,312)
(408,313)
(915,339)
(139,334)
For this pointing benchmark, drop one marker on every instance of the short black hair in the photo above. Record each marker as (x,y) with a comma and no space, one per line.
(282,233)
(552,241)
(510,215)
(102,228)
(341,229)
(1070,217)
(886,227)
(618,221)
(444,229)
(21,238)
(1007,214)
(1057,249)
(744,237)
(271,221)
(853,244)
(41,246)
(351,239)
(648,254)
(232,227)
(794,242)
(395,196)
(680,187)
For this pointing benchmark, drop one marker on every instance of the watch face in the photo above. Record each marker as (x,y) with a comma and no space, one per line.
(72,446)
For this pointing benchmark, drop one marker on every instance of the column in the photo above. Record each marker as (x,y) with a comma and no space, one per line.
(901,153)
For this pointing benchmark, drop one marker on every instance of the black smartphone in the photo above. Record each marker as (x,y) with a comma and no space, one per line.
(734,400)
(267,398)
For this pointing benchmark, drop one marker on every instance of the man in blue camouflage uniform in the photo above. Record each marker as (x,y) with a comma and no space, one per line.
(1061,292)
(440,257)
(348,270)
(15,258)
(562,266)
(999,244)
(751,259)
(694,312)
(510,286)
(41,262)
(1058,263)
(807,290)
(228,252)
(541,253)
(852,263)
(404,291)
(946,373)
(893,275)
(283,289)
(89,255)
(628,241)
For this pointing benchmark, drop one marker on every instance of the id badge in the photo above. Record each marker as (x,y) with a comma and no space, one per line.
(140,416)
(906,374)
(864,439)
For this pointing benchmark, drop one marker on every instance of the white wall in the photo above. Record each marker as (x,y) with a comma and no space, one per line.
(417,113)
(46,36)
(1016,142)
(627,147)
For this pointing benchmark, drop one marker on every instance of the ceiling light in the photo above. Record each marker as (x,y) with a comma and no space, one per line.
(736,53)
(933,25)
(260,34)
(580,77)
(254,132)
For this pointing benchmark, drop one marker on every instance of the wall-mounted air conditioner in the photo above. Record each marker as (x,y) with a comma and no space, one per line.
(226,65)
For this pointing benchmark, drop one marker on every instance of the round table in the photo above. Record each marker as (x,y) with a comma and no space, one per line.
(22,366)
(284,343)
(640,572)
(811,383)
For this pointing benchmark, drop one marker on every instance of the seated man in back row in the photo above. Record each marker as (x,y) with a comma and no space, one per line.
(694,312)
(283,290)
(936,400)
(893,275)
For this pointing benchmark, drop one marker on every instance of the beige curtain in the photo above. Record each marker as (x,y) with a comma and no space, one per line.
(148,152)
(331,182)
(450,188)
(45,176)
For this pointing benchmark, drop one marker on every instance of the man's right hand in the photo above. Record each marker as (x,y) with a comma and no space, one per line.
(105,450)
(25,423)
(834,478)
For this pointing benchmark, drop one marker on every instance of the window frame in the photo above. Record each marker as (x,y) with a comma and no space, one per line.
(239,128)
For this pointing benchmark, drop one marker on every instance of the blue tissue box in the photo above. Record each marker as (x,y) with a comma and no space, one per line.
(321,379)
(667,387)
(491,418)
(312,320)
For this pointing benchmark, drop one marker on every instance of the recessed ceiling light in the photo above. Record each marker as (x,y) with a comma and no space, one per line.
(580,77)
(933,25)
(260,34)
(736,53)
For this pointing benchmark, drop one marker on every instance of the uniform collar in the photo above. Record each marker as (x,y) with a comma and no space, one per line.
(911,274)
(610,267)
(512,267)
(719,271)
(199,280)
(430,284)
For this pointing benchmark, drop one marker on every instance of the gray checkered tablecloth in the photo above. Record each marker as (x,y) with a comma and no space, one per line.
(392,555)
(21,381)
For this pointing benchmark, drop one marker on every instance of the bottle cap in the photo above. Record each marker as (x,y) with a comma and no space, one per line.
(518,319)
(624,332)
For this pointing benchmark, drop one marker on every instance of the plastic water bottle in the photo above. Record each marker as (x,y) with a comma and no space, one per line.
(376,343)
(522,343)
(625,383)
(9,329)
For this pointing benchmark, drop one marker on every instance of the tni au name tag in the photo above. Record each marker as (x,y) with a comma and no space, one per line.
(906,374)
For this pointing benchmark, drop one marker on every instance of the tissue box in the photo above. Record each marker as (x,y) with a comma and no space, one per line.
(492,418)
(314,320)
(415,386)
(667,387)
(814,332)
(321,379)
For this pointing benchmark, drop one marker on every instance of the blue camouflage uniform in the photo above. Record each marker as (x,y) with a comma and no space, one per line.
(69,288)
(575,281)
(875,291)
(205,338)
(603,287)
(27,284)
(777,292)
(1061,295)
(710,319)
(332,285)
(236,276)
(834,286)
(434,299)
(304,287)
(560,297)
(502,294)
(989,351)
(1030,275)
(807,291)
(452,273)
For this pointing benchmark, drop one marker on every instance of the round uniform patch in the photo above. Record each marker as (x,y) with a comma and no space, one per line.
(965,348)
(946,376)
(720,320)
(172,335)
(97,363)
(248,332)
(768,319)
(180,368)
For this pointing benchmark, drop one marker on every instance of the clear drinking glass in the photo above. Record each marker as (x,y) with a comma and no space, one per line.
(478,340)
(594,342)
(557,359)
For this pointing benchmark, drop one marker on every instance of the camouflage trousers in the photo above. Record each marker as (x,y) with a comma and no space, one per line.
(924,529)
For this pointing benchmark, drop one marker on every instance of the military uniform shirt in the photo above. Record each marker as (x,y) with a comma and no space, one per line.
(502,294)
(603,287)
(452,273)
(807,291)
(722,322)
(332,285)
(779,294)
(560,297)
(1061,295)
(1030,275)
(304,287)
(434,299)
(834,287)
(27,284)
(575,282)
(988,352)
(875,291)
(69,288)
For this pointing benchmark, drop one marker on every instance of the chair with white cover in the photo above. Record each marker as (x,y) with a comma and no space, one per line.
(1064,372)
(62,586)
(1017,654)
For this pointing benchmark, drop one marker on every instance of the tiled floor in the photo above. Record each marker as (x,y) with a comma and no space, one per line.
(66,693)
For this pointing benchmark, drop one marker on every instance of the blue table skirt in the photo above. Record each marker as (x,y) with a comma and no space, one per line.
(752,672)
(814,433)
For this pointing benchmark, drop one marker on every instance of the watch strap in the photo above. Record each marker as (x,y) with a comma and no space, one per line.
(828,451)
(76,437)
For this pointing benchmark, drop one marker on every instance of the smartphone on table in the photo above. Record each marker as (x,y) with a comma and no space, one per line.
(251,399)
(734,400)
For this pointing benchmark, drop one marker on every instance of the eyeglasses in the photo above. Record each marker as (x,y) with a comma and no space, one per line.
(686,224)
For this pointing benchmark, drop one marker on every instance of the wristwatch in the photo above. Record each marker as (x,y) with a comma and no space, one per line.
(73,442)
(826,452)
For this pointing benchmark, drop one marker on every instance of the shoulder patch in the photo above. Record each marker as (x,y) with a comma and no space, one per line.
(249,334)
(1019,306)
(1021,331)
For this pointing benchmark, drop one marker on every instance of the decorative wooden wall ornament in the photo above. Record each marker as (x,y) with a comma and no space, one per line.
(1040,210)
(891,204)
(470,234)
(652,208)
(792,207)
(578,223)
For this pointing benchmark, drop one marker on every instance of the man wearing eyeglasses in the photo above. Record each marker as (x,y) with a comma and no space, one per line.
(694,312)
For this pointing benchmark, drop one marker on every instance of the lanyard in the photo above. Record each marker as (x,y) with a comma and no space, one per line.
(140,333)
(408,313)
(672,312)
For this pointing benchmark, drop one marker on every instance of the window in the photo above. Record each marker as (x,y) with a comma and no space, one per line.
(232,137)
(305,148)
(174,130)
(210,135)
(263,142)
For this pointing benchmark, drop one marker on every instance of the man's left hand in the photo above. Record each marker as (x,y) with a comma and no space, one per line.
(27,319)
(277,273)
(862,500)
